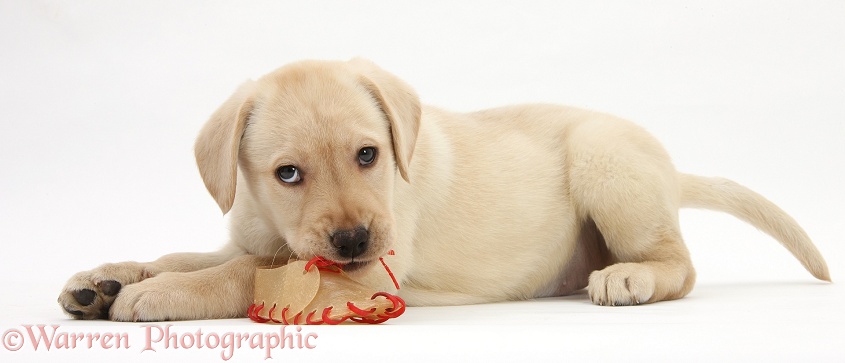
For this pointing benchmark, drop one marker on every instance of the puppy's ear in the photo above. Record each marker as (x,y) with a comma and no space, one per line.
(217,146)
(399,103)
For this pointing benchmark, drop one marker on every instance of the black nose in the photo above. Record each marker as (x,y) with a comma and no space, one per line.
(351,243)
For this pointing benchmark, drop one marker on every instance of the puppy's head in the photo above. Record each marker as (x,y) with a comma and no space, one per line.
(319,145)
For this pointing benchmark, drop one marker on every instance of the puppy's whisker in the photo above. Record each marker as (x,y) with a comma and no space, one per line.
(273,261)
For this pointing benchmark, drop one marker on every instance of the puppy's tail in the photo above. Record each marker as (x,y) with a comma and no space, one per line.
(729,197)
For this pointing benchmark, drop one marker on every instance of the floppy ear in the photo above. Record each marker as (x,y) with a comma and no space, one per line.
(216,148)
(400,104)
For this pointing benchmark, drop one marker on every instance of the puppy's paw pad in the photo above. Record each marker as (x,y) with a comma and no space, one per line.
(84,297)
(110,287)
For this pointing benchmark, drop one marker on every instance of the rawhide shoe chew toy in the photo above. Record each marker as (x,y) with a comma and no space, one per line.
(318,291)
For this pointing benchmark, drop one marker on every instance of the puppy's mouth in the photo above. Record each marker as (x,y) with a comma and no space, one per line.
(354,265)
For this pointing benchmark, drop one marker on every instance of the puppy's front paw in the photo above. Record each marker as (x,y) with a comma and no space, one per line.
(621,284)
(155,299)
(179,296)
(89,294)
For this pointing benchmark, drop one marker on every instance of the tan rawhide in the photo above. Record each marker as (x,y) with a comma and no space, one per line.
(318,292)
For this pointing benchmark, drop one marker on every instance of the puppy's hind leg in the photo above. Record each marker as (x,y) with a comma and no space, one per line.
(666,274)
(630,190)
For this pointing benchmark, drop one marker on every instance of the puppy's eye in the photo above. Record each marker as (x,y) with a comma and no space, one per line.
(288,174)
(366,155)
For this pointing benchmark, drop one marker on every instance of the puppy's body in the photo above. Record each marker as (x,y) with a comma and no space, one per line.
(489,210)
(502,204)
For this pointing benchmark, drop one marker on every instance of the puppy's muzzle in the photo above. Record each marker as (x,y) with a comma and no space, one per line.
(350,243)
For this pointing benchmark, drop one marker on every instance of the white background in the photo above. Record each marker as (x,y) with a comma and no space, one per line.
(100,102)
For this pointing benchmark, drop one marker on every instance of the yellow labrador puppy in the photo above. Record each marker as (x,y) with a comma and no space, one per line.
(339,159)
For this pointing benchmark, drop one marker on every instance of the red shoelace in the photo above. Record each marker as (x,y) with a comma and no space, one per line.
(364,316)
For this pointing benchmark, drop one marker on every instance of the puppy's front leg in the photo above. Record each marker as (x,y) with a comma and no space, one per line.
(90,294)
(219,292)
